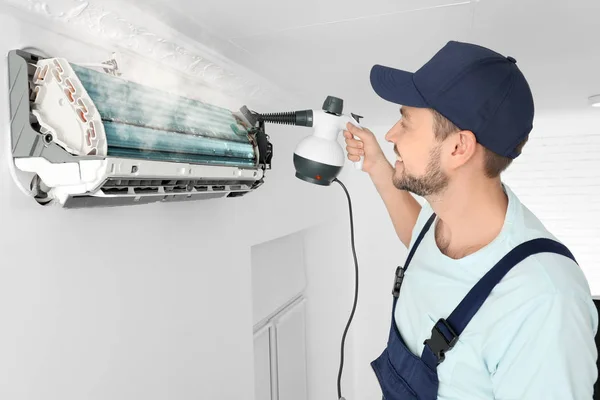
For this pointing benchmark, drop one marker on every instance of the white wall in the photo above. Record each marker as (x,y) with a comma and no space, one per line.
(149,302)
(315,263)
(330,291)
(557,177)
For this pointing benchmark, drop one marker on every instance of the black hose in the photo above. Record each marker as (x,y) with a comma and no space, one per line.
(339,379)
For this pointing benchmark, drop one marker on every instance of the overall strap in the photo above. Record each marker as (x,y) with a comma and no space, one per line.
(400,271)
(445,333)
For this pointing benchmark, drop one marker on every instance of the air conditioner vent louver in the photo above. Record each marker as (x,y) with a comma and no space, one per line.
(118,186)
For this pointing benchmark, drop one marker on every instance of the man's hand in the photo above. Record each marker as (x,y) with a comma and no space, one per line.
(366,147)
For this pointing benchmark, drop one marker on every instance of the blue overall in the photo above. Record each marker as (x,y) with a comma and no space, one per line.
(404,376)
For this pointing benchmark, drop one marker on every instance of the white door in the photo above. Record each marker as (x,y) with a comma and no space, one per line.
(262,365)
(291,353)
(278,283)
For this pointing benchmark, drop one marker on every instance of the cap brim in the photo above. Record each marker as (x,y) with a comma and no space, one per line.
(396,86)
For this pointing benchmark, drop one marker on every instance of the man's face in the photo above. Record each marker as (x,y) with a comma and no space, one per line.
(418,166)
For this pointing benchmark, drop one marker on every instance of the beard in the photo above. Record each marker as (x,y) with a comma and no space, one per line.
(433,182)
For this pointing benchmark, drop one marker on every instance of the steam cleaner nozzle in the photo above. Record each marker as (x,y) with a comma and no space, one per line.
(297,118)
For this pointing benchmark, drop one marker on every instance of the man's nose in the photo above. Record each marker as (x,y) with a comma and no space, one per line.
(389,136)
(392,134)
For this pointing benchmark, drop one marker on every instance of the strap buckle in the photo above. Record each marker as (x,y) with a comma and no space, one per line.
(443,338)
(398,281)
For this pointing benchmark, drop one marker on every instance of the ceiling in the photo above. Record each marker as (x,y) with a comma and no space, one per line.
(315,48)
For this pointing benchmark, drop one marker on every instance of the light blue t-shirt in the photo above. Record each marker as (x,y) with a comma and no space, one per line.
(532,339)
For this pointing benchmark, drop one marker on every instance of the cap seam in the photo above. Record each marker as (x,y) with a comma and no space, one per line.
(493,115)
(467,70)
(479,62)
(513,146)
(419,91)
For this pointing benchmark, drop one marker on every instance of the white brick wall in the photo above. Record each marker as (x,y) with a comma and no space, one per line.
(558,178)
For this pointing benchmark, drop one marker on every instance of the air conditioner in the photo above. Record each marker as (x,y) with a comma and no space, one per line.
(82,137)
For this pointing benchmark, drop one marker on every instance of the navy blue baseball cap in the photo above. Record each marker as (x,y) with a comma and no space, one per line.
(472,86)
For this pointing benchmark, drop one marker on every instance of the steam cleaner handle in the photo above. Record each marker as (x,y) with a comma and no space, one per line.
(357,164)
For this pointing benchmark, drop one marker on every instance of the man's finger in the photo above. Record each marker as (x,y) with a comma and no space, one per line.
(356,131)
(354,151)
(354,143)
(361,133)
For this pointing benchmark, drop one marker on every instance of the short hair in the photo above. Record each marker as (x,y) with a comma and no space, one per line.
(494,164)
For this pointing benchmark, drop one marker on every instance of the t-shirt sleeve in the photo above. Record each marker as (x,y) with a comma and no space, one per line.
(547,351)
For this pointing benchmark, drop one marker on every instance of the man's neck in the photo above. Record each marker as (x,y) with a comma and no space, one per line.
(471,215)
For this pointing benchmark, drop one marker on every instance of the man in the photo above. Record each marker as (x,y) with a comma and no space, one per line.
(525,331)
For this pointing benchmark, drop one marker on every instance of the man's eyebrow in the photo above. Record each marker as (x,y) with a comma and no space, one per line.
(404,113)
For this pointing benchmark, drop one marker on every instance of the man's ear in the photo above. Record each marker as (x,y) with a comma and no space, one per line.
(464,147)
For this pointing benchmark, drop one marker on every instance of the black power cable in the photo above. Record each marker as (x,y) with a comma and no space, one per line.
(339,379)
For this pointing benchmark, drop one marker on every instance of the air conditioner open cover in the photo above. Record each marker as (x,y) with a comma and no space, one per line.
(88,139)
